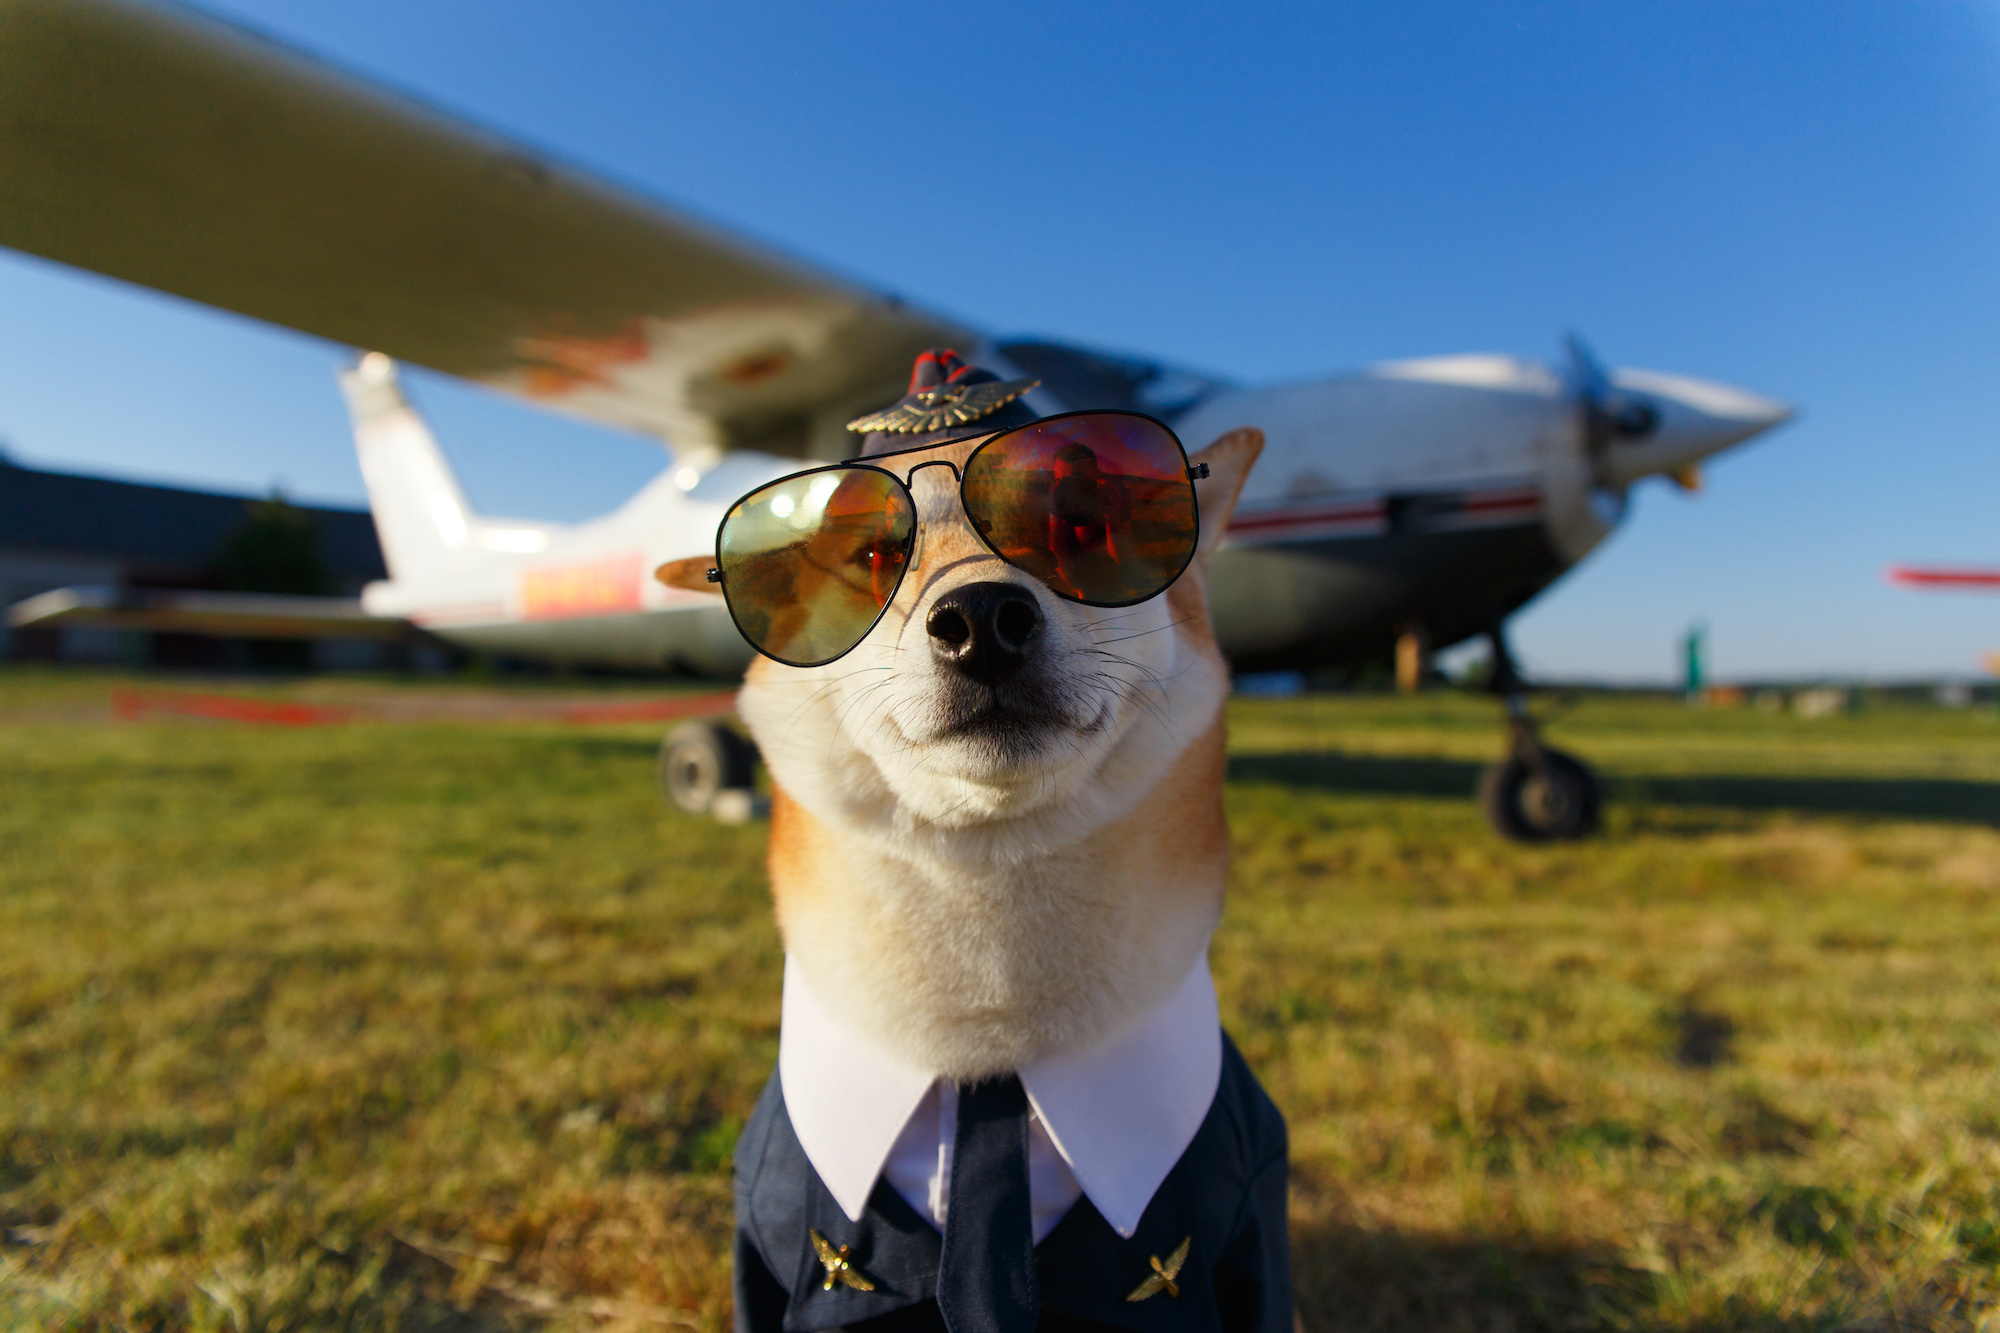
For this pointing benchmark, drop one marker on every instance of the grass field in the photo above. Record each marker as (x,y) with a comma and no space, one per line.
(447,1026)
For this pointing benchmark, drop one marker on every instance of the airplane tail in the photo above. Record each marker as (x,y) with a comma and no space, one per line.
(420,513)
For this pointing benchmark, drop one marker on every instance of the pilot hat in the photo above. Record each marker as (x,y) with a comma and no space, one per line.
(948,399)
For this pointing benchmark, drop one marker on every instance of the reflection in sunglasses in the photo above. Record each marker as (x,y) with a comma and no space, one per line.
(810,562)
(1098,507)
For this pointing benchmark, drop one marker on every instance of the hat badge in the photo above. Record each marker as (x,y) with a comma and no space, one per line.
(942,407)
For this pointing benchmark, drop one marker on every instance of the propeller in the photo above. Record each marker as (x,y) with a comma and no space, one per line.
(1610,414)
(1646,424)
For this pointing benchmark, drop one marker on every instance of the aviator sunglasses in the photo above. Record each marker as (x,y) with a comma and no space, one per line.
(1098,506)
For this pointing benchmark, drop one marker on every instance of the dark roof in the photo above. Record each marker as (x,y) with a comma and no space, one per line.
(161,532)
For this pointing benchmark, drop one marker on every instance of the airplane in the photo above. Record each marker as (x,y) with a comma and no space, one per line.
(1396,510)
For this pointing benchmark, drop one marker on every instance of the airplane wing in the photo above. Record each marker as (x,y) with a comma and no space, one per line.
(1985,579)
(169,149)
(249,615)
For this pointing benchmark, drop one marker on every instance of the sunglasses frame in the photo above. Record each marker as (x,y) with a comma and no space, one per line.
(1193,473)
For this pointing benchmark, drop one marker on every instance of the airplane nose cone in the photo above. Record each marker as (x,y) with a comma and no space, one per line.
(1695,418)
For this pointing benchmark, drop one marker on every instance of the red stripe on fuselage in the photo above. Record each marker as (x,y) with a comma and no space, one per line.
(1498,501)
(1272,519)
(1369,518)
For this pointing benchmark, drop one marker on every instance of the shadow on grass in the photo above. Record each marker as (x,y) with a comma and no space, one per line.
(1352,1279)
(1373,775)
(1950,799)
(1954,800)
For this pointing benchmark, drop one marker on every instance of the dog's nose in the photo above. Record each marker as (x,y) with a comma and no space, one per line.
(985,629)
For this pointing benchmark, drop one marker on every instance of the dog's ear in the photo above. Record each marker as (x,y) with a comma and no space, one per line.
(689,575)
(1229,460)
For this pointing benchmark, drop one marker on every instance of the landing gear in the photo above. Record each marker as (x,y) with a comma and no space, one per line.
(705,768)
(1544,796)
(1536,793)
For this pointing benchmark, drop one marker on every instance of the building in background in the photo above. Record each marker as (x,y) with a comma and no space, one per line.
(59,530)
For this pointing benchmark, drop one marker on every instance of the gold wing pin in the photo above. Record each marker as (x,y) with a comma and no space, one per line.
(946,405)
(1163,1275)
(838,1267)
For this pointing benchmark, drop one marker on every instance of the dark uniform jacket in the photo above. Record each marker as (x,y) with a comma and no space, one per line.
(1225,1197)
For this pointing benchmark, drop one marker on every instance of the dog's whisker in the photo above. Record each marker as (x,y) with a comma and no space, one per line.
(824,686)
(1140,634)
(1135,693)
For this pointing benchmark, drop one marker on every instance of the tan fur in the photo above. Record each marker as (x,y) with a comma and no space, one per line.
(971,909)
(689,575)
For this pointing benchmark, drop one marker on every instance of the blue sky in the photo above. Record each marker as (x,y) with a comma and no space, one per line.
(1803,199)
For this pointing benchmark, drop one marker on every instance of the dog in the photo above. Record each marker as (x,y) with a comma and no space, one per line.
(998,852)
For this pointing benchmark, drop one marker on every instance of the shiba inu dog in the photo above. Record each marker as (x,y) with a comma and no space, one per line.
(997,853)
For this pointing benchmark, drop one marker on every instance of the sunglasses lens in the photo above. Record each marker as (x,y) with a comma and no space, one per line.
(809,562)
(1098,506)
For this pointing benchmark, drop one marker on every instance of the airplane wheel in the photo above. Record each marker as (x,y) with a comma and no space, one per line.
(699,760)
(1556,805)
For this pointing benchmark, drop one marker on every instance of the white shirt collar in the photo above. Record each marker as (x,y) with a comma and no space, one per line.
(1120,1113)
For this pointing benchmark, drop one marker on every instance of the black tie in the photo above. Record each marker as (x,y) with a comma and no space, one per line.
(986,1278)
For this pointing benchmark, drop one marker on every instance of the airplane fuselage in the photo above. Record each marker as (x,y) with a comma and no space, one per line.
(1436,496)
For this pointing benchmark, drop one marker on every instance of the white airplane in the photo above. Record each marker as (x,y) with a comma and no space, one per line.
(1399,509)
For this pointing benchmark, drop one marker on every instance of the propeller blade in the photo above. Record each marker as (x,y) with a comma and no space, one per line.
(1586,371)
(1609,413)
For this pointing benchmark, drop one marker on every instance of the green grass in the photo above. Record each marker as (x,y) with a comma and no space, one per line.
(453,1027)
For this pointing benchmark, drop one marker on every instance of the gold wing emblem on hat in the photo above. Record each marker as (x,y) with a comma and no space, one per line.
(942,407)
(1163,1275)
(838,1267)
